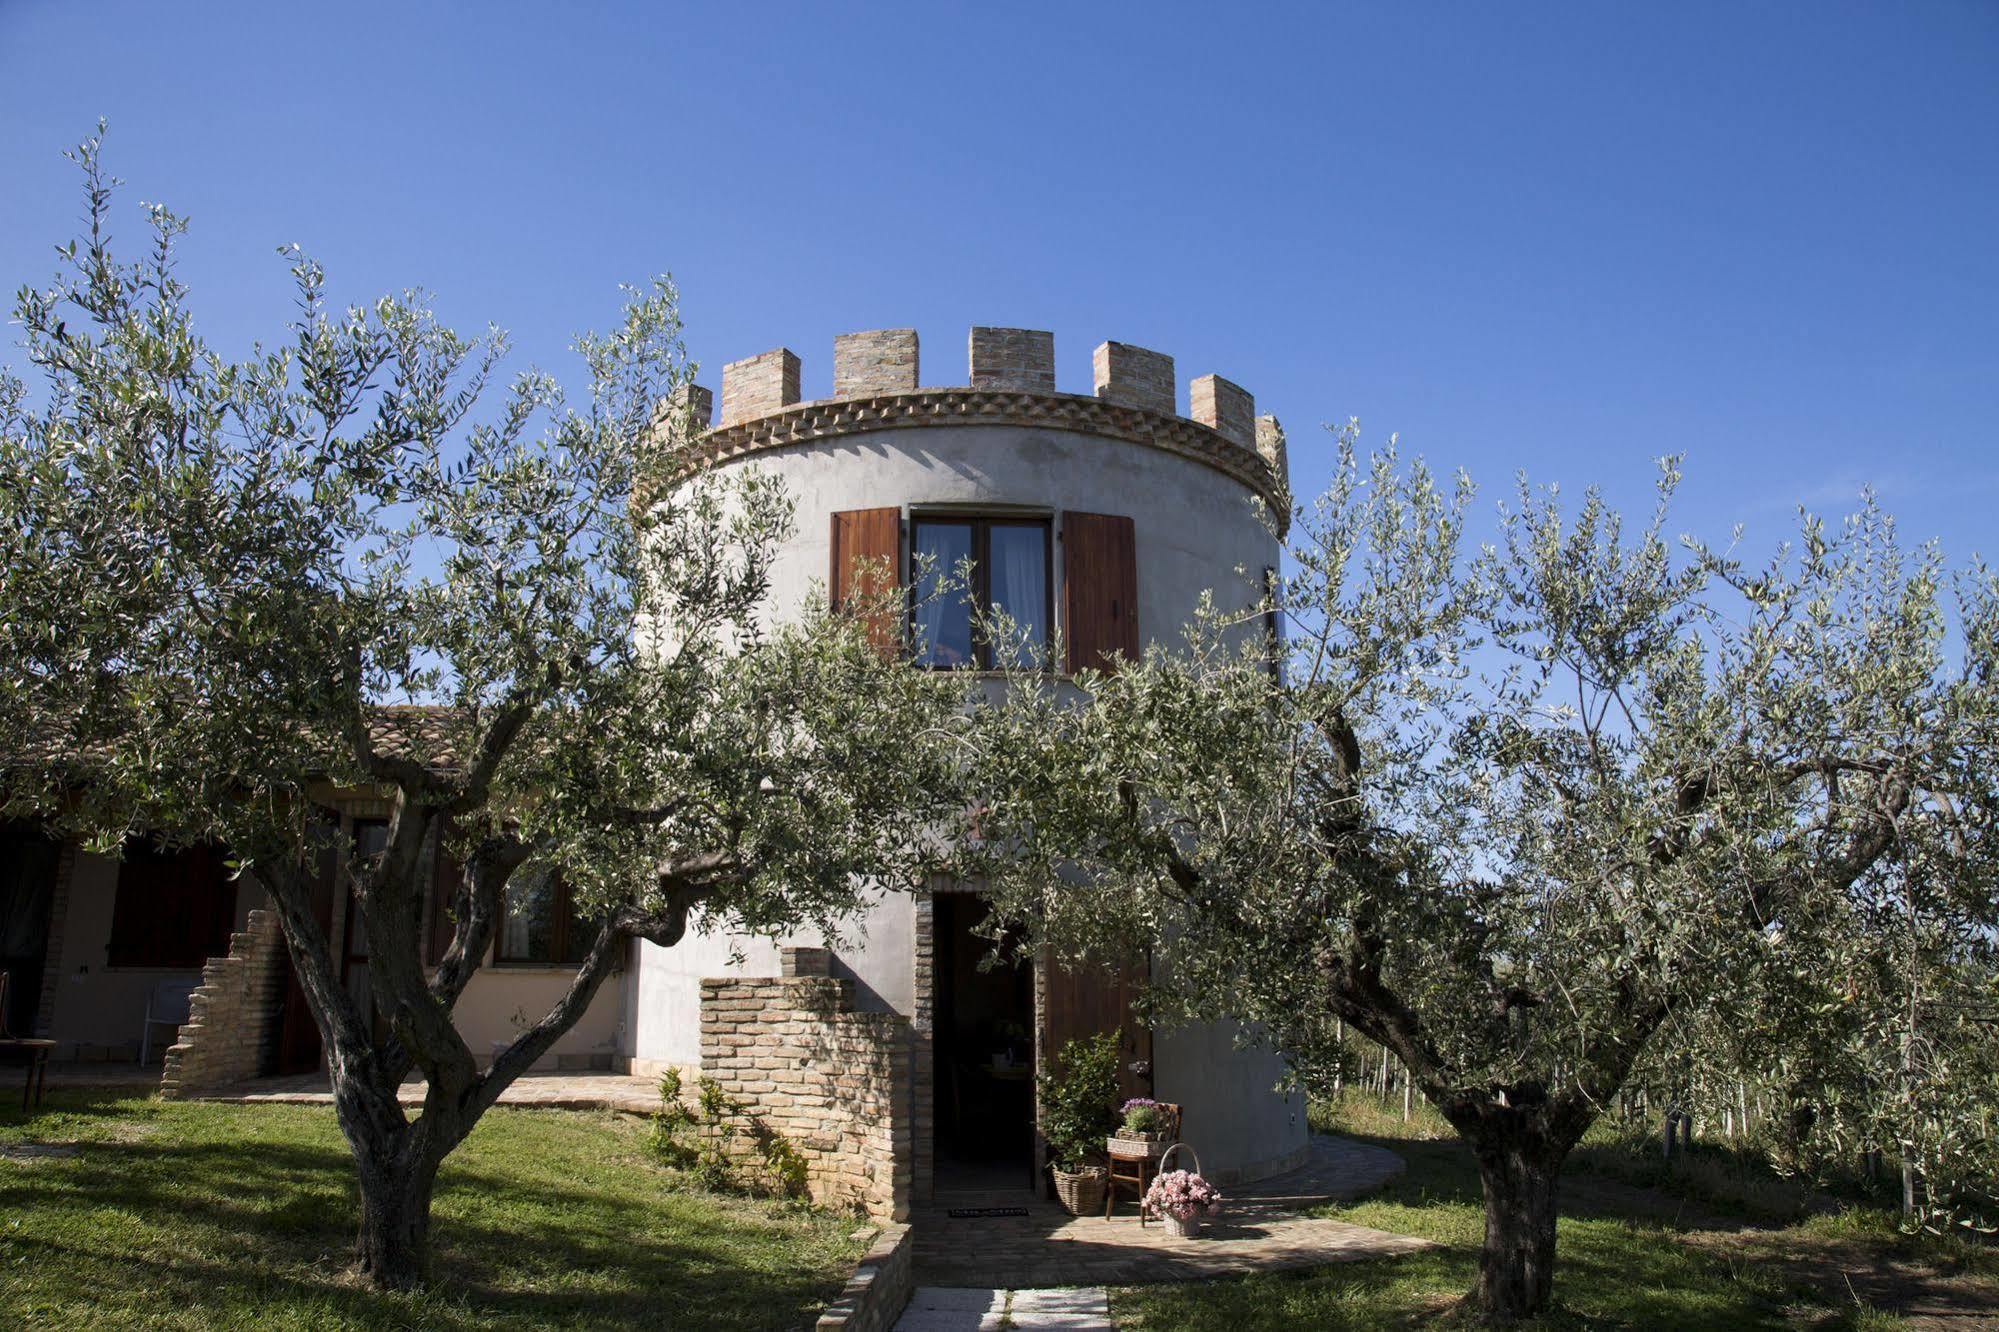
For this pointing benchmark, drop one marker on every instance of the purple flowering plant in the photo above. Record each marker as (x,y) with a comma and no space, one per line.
(1182,1195)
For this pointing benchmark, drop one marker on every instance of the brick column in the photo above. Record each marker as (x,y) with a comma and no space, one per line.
(1013,358)
(1225,408)
(758,385)
(882,360)
(1134,376)
(45,1011)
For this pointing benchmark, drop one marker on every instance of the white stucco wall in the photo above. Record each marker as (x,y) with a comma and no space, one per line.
(1196,531)
(97,1005)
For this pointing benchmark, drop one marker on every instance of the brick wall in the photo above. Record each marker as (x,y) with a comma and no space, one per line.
(1013,358)
(1134,376)
(1223,407)
(878,1291)
(1270,443)
(45,1014)
(759,385)
(882,360)
(232,1015)
(803,1062)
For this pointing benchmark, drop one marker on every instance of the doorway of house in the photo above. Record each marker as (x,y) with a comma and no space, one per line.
(984,1050)
(28,860)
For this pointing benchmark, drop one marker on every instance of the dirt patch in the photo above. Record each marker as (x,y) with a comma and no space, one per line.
(27,1152)
(1849,1272)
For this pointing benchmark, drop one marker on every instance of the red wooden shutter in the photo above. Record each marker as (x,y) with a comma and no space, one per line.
(1099,588)
(867,549)
(1096,996)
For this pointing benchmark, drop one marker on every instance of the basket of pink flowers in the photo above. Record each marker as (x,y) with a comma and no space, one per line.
(1181,1198)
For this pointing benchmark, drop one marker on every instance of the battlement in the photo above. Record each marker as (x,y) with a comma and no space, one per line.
(883,367)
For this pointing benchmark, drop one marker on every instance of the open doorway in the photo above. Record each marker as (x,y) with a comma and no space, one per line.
(984,1050)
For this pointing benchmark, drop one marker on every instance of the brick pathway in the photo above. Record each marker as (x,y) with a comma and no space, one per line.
(957,1309)
(561,1091)
(1262,1228)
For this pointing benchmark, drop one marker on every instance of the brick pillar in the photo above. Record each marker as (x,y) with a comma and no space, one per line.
(1134,376)
(1270,443)
(759,385)
(922,1048)
(1225,408)
(1013,358)
(232,1014)
(45,1011)
(692,403)
(882,360)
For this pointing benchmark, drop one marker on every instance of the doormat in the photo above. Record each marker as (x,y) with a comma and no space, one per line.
(963,1213)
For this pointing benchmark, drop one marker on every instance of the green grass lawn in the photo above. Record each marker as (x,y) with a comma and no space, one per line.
(1627,1257)
(174,1215)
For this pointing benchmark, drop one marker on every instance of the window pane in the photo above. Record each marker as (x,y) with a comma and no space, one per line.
(529,935)
(1019,585)
(943,622)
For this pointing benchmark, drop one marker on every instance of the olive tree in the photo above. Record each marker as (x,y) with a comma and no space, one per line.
(216,576)
(1506,811)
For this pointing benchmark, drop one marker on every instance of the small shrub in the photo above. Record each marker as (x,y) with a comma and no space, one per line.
(1079,1100)
(674,1126)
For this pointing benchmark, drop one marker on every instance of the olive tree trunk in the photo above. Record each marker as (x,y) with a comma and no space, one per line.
(1516,1265)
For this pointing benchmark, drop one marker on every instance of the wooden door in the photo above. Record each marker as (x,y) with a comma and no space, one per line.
(1093,997)
(298,1035)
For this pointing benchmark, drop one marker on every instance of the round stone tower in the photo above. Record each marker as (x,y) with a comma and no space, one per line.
(1101,518)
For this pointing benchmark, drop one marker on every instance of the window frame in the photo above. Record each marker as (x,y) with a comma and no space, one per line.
(560,940)
(981,523)
(142,907)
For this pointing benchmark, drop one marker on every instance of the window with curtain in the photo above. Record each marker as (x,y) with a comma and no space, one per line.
(541,923)
(1008,564)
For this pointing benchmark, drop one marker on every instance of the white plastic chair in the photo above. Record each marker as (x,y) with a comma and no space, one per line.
(166,1006)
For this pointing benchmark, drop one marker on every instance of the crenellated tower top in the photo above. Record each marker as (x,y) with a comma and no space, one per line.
(877,385)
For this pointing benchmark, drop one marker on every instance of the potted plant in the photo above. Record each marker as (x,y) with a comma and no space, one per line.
(1078,1111)
(1181,1198)
(1145,1120)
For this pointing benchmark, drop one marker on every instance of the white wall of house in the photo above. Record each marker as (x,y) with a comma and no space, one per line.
(99,1010)
(1195,530)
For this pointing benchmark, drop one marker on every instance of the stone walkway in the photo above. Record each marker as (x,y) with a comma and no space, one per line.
(961,1309)
(1262,1228)
(558,1091)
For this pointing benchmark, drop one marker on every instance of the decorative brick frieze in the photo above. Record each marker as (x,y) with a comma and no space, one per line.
(1226,408)
(232,1015)
(1134,376)
(882,360)
(812,422)
(1013,358)
(803,1062)
(759,385)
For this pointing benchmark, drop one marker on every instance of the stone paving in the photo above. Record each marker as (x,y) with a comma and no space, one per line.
(1263,1227)
(961,1309)
(559,1091)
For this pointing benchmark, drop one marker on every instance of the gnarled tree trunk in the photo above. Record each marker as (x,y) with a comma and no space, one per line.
(394,1244)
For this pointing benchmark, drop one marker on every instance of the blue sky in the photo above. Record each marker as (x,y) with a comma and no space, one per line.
(1552,237)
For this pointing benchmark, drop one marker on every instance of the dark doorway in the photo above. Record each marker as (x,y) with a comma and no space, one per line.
(27,895)
(298,1035)
(984,1049)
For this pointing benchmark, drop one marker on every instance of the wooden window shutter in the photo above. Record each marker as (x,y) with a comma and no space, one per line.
(1099,588)
(867,547)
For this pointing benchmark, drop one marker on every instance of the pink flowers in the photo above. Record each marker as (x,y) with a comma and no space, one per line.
(1182,1195)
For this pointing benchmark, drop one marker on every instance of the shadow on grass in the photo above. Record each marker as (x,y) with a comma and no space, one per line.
(246,1218)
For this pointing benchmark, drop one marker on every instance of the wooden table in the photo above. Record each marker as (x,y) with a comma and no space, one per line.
(34,1052)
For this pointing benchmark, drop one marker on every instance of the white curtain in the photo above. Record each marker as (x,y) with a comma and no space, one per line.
(1020,587)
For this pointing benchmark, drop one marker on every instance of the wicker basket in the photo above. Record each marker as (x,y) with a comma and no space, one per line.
(1080,1194)
(1191,1227)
